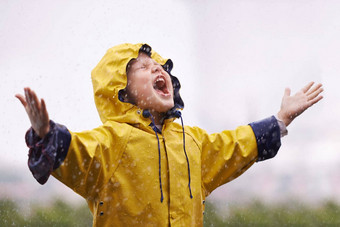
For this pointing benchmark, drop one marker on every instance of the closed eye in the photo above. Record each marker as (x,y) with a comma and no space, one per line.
(143,66)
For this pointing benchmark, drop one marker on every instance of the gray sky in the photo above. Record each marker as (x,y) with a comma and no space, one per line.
(233,58)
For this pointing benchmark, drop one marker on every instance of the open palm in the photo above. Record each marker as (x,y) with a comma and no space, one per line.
(36,111)
(293,106)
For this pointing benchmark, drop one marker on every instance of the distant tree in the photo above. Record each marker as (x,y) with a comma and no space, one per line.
(61,214)
(211,218)
(10,214)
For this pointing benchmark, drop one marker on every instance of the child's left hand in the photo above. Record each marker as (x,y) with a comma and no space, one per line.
(293,106)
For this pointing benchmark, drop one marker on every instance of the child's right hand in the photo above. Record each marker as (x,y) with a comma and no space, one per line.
(36,111)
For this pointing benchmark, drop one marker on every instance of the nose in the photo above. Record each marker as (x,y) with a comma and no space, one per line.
(156,68)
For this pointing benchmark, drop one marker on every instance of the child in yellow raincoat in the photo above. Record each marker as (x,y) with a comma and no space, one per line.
(140,168)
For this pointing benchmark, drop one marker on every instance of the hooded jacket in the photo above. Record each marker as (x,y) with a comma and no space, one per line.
(131,173)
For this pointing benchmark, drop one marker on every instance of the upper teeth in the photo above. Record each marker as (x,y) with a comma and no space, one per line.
(159,79)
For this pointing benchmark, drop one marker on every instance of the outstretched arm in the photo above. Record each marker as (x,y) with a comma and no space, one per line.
(48,142)
(36,111)
(293,106)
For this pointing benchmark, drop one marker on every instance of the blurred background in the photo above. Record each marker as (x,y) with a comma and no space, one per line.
(234,59)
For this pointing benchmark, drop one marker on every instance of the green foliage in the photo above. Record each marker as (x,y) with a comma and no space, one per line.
(61,214)
(258,214)
(58,214)
(9,214)
(211,217)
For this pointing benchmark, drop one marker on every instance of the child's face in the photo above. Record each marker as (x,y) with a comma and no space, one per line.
(149,85)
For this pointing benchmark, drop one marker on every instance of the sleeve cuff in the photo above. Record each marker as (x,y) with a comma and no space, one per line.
(47,154)
(267,133)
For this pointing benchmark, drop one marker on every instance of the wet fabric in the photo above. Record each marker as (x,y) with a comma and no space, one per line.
(46,155)
(115,167)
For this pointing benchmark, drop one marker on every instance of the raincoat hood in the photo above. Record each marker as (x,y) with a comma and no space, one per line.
(109,80)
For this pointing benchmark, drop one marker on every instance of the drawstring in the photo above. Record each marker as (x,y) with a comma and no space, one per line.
(178,114)
(159,163)
(147,114)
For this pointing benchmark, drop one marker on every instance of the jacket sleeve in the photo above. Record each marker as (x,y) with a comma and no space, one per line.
(80,160)
(46,155)
(92,158)
(228,154)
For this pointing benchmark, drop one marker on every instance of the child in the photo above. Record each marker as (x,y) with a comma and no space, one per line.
(140,167)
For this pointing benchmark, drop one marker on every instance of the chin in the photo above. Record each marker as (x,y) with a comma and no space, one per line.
(164,107)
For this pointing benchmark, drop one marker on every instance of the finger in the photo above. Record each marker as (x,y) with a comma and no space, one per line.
(32,100)
(287,92)
(28,99)
(314,89)
(307,87)
(27,95)
(317,99)
(315,94)
(22,99)
(35,101)
(44,110)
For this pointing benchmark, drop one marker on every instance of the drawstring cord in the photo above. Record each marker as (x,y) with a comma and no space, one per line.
(159,159)
(178,114)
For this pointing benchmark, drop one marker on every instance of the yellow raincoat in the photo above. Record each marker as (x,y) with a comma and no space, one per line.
(115,167)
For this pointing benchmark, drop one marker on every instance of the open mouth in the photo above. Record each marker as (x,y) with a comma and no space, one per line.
(160,86)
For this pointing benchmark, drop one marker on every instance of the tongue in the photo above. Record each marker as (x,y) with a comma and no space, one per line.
(160,87)
(160,84)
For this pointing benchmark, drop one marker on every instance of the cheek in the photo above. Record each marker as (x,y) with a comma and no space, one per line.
(138,85)
(143,94)
(144,90)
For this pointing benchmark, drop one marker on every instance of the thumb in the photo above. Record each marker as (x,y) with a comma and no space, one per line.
(22,99)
